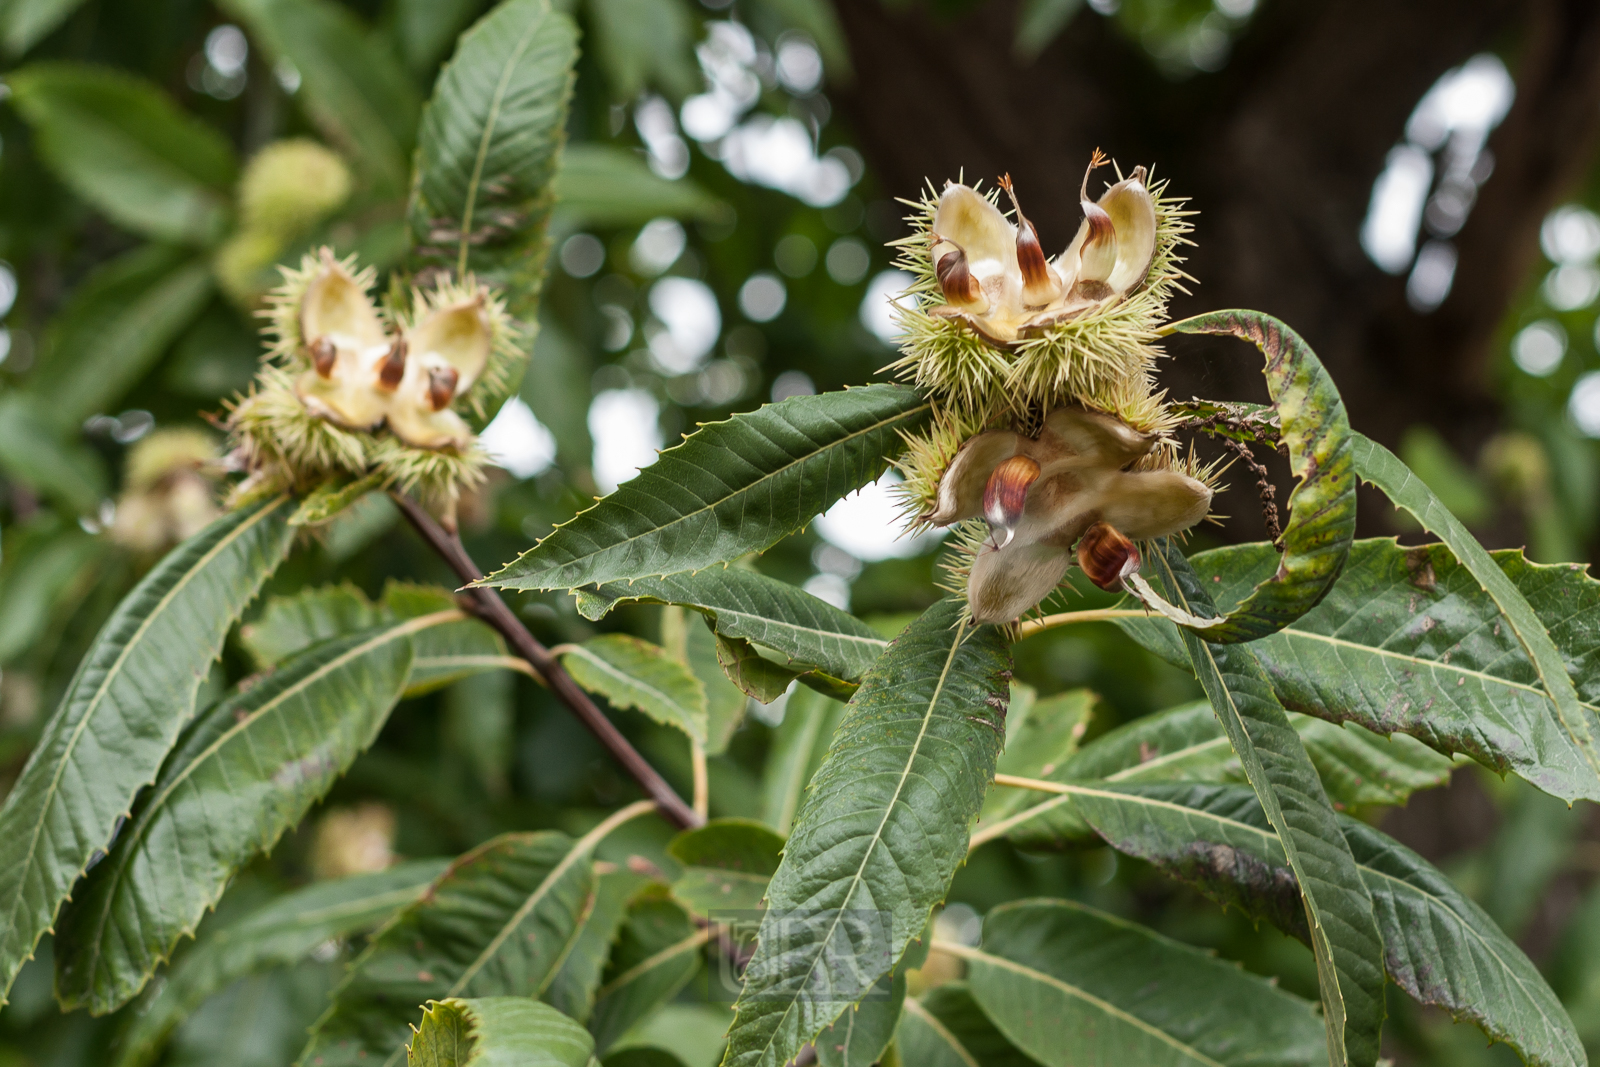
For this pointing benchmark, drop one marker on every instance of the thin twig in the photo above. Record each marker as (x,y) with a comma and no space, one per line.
(487,605)
(702,788)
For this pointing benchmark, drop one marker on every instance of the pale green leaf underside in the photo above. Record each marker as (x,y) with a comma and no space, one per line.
(1439,946)
(1070,985)
(881,830)
(631,673)
(133,692)
(731,488)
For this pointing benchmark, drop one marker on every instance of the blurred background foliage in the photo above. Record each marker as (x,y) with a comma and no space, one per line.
(719,242)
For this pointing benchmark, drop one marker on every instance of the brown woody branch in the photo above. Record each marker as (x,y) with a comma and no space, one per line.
(487,605)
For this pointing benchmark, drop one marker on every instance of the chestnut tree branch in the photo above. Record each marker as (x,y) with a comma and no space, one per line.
(487,605)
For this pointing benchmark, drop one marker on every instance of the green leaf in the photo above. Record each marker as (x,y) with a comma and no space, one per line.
(1040,746)
(641,1056)
(118,323)
(501,920)
(124,146)
(745,605)
(33,452)
(1409,641)
(644,43)
(351,84)
(427,28)
(1187,743)
(291,624)
(946,1028)
(444,653)
(1322,505)
(1070,985)
(798,747)
(604,186)
(727,864)
(1040,22)
(1377,465)
(1344,935)
(656,954)
(24,23)
(245,772)
(329,499)
(751,672)
(859,1036)
(490,145)
(695,646)
(631,673)
(573,989)
(121,714)
(279,933)
(880,832)
(731,488)
(497,1032)
(1439,946)
(49,565)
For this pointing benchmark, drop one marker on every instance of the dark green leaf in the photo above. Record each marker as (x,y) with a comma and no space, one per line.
(497,1032)
(1040,22)
(946,1028)
(1377,465)
(23,23)
(1071,985)
(47,566)
(695,646)
(1409,641)
(32,452)
(748,606)
(427,28)
(1438,945)
(880,832)
(573,989)
(351,85)
(501,920)
(607,186)
(656,954)
(122,145)
(726,865)
(644,43)
(1344,934)
(490,145)
(859,1036)
(1040,746)
(729,489)
(123,318)
(1322,505)
(132,694)
(291,624)
(282,932)
(641,1056)
(752,672)
(798,747)
(245,772)
(1187,743)
(631,673)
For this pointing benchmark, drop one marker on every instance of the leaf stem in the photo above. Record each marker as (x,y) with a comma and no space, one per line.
(1067,618)
(702,789)
(486,604)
